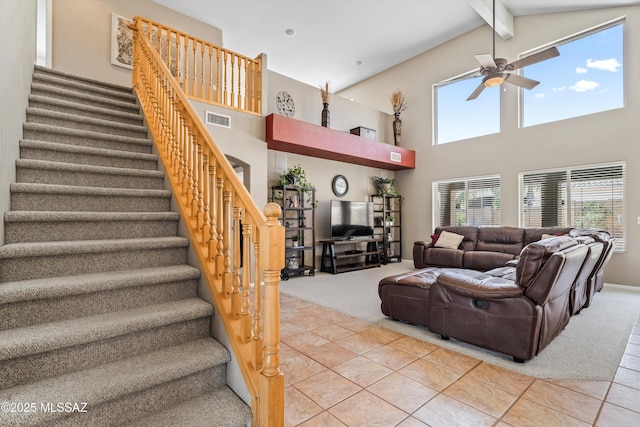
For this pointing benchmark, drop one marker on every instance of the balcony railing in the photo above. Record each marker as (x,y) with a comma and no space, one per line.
(207,72)
(237,244)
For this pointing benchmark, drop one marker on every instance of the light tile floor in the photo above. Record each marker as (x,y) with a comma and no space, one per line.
(342,371)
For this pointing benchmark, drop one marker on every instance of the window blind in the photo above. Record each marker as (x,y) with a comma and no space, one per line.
(471,201)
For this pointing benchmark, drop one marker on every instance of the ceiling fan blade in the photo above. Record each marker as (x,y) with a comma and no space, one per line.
(520,81)
(552,52)
(476,92)
(486,60)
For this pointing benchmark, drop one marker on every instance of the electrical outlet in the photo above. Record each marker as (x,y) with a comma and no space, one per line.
(639,220)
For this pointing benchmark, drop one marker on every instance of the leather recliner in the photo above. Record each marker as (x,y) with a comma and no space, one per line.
(515,310)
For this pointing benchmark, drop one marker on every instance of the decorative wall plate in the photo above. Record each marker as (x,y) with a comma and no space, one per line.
(285,104)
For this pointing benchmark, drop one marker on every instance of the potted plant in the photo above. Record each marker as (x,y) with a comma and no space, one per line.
(385,185)
(296,176)
(389,220)
(294,240)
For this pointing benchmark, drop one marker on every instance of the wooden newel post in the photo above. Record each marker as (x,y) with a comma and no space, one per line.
(272,259)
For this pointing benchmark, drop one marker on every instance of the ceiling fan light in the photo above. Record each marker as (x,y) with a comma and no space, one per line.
(492,81)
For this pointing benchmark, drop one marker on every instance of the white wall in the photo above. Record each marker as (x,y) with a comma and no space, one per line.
(597,138)
(18,47)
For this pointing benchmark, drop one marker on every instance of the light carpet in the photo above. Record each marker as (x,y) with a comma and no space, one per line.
(590,347)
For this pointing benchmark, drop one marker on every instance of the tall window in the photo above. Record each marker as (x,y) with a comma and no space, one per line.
(586,78)
(583,197)
(470,201)
(478,117)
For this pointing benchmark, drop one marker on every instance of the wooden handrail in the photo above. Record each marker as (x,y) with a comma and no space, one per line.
(207,72)
(223,223)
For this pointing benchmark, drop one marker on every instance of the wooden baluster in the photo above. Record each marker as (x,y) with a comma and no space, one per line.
(196,204)
(202,72)
(185,65)
(246,281)
(236,301)
(218,77)
(190,162)
(256,344)
(210,83)
(271,380)
(220,230)
(239,84)
(233,81)
(204,223)
(247,79)
(212,212)
(194,66)
(258,90)
(224,80)
(227,278)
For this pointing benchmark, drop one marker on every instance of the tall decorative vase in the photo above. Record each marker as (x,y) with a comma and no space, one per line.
(397,129)
(325,114)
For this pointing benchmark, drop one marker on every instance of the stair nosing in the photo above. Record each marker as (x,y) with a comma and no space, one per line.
(43,87)
(65,286)
(83,216)
(27,187)
(41,70)
(56,81)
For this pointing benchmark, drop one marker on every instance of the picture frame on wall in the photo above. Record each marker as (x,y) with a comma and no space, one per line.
(121,42)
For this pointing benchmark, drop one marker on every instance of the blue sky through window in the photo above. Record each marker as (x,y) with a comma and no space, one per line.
(586,78)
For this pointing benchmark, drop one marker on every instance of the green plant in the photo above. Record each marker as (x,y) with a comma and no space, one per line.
(297,177)
(386,185)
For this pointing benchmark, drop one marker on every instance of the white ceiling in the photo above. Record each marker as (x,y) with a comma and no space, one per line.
(332,36)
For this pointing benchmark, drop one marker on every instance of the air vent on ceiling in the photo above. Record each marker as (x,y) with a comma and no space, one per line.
(216,119)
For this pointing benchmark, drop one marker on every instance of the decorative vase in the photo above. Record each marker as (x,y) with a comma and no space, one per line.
(397,129)
(325,114)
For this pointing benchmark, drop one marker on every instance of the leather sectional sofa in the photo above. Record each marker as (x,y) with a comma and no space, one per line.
(511,303)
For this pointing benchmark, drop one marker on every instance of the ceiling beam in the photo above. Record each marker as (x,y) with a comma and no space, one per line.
(504,18)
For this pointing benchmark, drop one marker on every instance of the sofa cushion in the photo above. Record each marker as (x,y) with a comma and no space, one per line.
(441,257)
(482,260)
(449,240)
(534,234)
(536,254)
(500,239)
(470,234)
(474,284)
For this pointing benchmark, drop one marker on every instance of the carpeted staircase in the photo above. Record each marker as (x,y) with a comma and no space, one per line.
(97,303)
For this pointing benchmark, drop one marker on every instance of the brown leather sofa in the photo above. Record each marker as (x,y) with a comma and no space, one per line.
(483,248)
(520,310)
(570,286)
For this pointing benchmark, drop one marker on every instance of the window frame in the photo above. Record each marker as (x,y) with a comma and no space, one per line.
(569,218)
(622,20)
(436,205)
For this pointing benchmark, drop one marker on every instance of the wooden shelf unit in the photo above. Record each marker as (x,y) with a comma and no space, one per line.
(294,136)
(349,260)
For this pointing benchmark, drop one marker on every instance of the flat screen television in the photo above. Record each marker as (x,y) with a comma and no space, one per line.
(350,220)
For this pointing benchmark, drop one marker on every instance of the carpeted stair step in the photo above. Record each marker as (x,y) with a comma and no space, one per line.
(46,172)
(47,226)
(86,86)
(62,94)
(48,197)
(220,408)
(56,152)
(64,135)
(53,118)
(124,390)
(43,72)
(70,107)
(24,261)
(30,302)
(35,352)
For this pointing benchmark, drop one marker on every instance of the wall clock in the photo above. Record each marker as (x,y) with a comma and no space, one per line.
(285,104)
(340,185)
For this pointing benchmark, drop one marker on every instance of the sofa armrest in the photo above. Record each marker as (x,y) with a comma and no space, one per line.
(422,243)
(473,284)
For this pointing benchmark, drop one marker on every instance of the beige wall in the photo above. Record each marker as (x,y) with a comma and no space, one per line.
(82,34)
(18,47)
(604,137)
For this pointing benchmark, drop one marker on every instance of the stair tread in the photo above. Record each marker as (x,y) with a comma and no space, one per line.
(55,102)
(41,70)
(44,337)
(79,168)
(220,407)
(28,187)
(103,383)
(31,111)
(83,84)
(86,133)
(78,149)
(53,216)
(62,92)
(58,287)
(68,247)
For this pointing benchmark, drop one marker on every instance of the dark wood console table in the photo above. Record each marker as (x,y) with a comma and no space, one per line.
(356,256)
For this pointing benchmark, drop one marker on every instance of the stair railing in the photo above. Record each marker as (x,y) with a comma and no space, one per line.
(207,72)
(235,242)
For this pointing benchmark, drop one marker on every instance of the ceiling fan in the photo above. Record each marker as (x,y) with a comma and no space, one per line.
(496,71)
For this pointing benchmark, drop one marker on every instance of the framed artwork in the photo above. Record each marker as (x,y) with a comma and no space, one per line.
(121,42)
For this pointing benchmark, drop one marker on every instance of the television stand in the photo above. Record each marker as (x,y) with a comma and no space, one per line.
(349,258)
